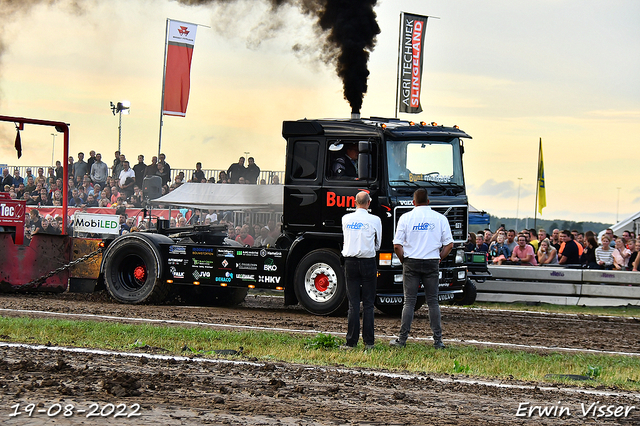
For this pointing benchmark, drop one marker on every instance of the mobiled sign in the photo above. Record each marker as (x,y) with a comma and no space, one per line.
(96,223)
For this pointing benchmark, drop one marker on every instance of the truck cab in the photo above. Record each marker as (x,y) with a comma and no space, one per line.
(328,163)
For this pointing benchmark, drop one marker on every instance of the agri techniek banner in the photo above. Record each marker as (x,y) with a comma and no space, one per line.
(412,32)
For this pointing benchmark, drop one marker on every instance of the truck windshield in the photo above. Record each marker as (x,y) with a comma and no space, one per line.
(424,162)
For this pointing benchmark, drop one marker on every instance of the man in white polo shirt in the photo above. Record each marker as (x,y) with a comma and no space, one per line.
(423,238)
(362,236)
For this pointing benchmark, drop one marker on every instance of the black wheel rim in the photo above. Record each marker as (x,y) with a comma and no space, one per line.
(130,272)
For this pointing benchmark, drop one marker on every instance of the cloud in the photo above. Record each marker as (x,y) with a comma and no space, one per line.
(505,189)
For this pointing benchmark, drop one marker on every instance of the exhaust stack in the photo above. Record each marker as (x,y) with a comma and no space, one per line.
(355,116)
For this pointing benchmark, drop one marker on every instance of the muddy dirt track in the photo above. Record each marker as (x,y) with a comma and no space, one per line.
(194,392)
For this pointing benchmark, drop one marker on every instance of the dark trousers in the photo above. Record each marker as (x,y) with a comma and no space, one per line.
(361,285)
(414,271)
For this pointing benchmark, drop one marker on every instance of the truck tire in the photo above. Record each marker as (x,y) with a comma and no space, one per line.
(213,296)
(396,310)
(133,270)
(320,284)
(468,296)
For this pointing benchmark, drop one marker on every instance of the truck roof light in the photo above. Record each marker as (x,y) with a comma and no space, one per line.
(433,123)
(455,126)
(411,123)
(383,125)
(423,123)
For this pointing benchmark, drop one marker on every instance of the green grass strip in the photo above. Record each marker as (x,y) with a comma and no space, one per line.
(622,372)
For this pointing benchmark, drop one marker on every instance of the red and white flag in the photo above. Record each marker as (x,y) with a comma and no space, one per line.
(412,34)
(181,38)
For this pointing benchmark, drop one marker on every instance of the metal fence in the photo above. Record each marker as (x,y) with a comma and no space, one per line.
(266,175)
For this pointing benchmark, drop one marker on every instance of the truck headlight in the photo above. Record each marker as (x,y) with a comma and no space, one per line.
(395,260)
(460,256)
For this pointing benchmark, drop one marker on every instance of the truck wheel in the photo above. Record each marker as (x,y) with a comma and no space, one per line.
(213,296)
(396,310)
(320,284)
(468,296)
(133,271)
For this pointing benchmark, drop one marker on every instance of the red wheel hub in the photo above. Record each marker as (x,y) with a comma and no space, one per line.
(321,282)
(140,273)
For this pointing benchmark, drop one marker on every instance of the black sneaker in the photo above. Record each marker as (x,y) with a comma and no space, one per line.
(438,344)
(396,343)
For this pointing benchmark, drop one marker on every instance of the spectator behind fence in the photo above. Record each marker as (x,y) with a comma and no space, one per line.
(252,171)
(480,245)
(99,171)
(140,169)
(569,253)
(588,258)
(470,245)
(604,253)
(236,171)
(81,167)
(166,170)
(499,251)
(523,253)
(547,254)
(198,174)
(621,255)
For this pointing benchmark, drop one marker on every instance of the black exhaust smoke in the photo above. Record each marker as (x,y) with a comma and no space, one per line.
(349,29)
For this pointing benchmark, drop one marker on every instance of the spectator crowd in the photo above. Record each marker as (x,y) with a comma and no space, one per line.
(93,183)
(570,248)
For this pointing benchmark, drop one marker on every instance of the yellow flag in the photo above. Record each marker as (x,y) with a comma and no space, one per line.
(542,196)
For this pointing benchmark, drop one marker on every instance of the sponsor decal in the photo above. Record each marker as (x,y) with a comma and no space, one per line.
(202,262)
(84,222)
(202,251)
(426,226)
(175,273)
(246,253)
(334,200)
(247,266)
(274,253)
(268,279)
(225,253)
(357,226)
(177,250)
(269,265)
(405,202)
(175,261)
(201,274)
(225,263)
(263,253)
(246,277)
(228,276)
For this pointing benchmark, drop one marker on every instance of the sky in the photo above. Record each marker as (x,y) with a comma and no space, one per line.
(508,72)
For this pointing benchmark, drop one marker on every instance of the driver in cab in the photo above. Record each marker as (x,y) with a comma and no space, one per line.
(346,165)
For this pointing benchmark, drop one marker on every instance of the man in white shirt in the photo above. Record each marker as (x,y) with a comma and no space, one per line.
(127,179)
(423,238)
(362,237)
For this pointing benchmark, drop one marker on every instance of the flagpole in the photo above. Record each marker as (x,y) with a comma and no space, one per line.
(164,76)
(398,75)
(535,220)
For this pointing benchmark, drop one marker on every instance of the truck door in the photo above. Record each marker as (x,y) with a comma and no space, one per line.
(350,167)
(302,185)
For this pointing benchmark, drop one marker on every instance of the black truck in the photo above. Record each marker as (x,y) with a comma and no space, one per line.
(327,163)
